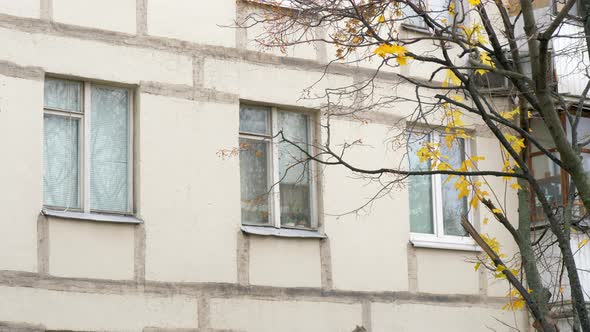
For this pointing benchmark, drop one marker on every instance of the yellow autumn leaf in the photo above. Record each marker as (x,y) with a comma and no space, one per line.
(402,59)
(381,19)
(516,143)
(462,186)
(457,98)
(481,39)
(497,211)
(474,2)
(485,220)
(452,8)
(381,50)
(486,59)
(509,115)
(518,304)
(515,186)
(449,139)
(582,243)
(477,265)
(482,193)
(443,166)
(451,78)
(398,49)
(454,120)
(384,49)
(474,33)
(474,202)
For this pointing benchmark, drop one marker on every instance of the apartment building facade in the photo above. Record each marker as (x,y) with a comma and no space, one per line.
(126,208)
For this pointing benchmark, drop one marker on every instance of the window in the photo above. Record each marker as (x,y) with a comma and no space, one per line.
(577,10)
(492,81)
(553,181)
(276,187)
(435,211)
(495,82)
(87,147)
(438,10)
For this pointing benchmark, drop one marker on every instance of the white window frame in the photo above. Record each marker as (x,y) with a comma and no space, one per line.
(274,197)
(84,117)
(438,239)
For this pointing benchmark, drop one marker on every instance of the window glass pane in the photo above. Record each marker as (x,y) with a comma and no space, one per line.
(439,10)
(582,130)
(294,170)
(254,185)
(453,208)
(254,119)
(61,161)
(541,134)
(548,176)
(419,188)
(411,17)
(109,150)
(63,95)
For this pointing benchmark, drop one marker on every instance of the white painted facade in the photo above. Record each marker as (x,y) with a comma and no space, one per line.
(188,266)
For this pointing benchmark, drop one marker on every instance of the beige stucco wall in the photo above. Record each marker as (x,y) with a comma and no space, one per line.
(377,251)
(188,266)
(189,18)
(89,13)
(192,233)
(82,249)
(24,8)
(22,167)
(446,271)
(413,317)
(292,263)
(74,311)
(266,316)
(95,59)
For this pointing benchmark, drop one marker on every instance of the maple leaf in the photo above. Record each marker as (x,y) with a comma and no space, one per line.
(402,59)
(384,49)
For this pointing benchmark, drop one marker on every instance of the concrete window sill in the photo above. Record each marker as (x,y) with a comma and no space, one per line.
(445,245)
(415,28)
(94,217)
(282,232)
(422,30)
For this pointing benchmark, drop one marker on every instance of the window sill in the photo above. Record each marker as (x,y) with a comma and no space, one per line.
(423,30)
(445,244)
(282,232)
(95,217)
(284,4)
(415,28)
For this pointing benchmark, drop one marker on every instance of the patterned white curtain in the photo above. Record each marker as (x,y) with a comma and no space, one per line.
(109,149)
(61,144)
(61,161)
(293,173)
